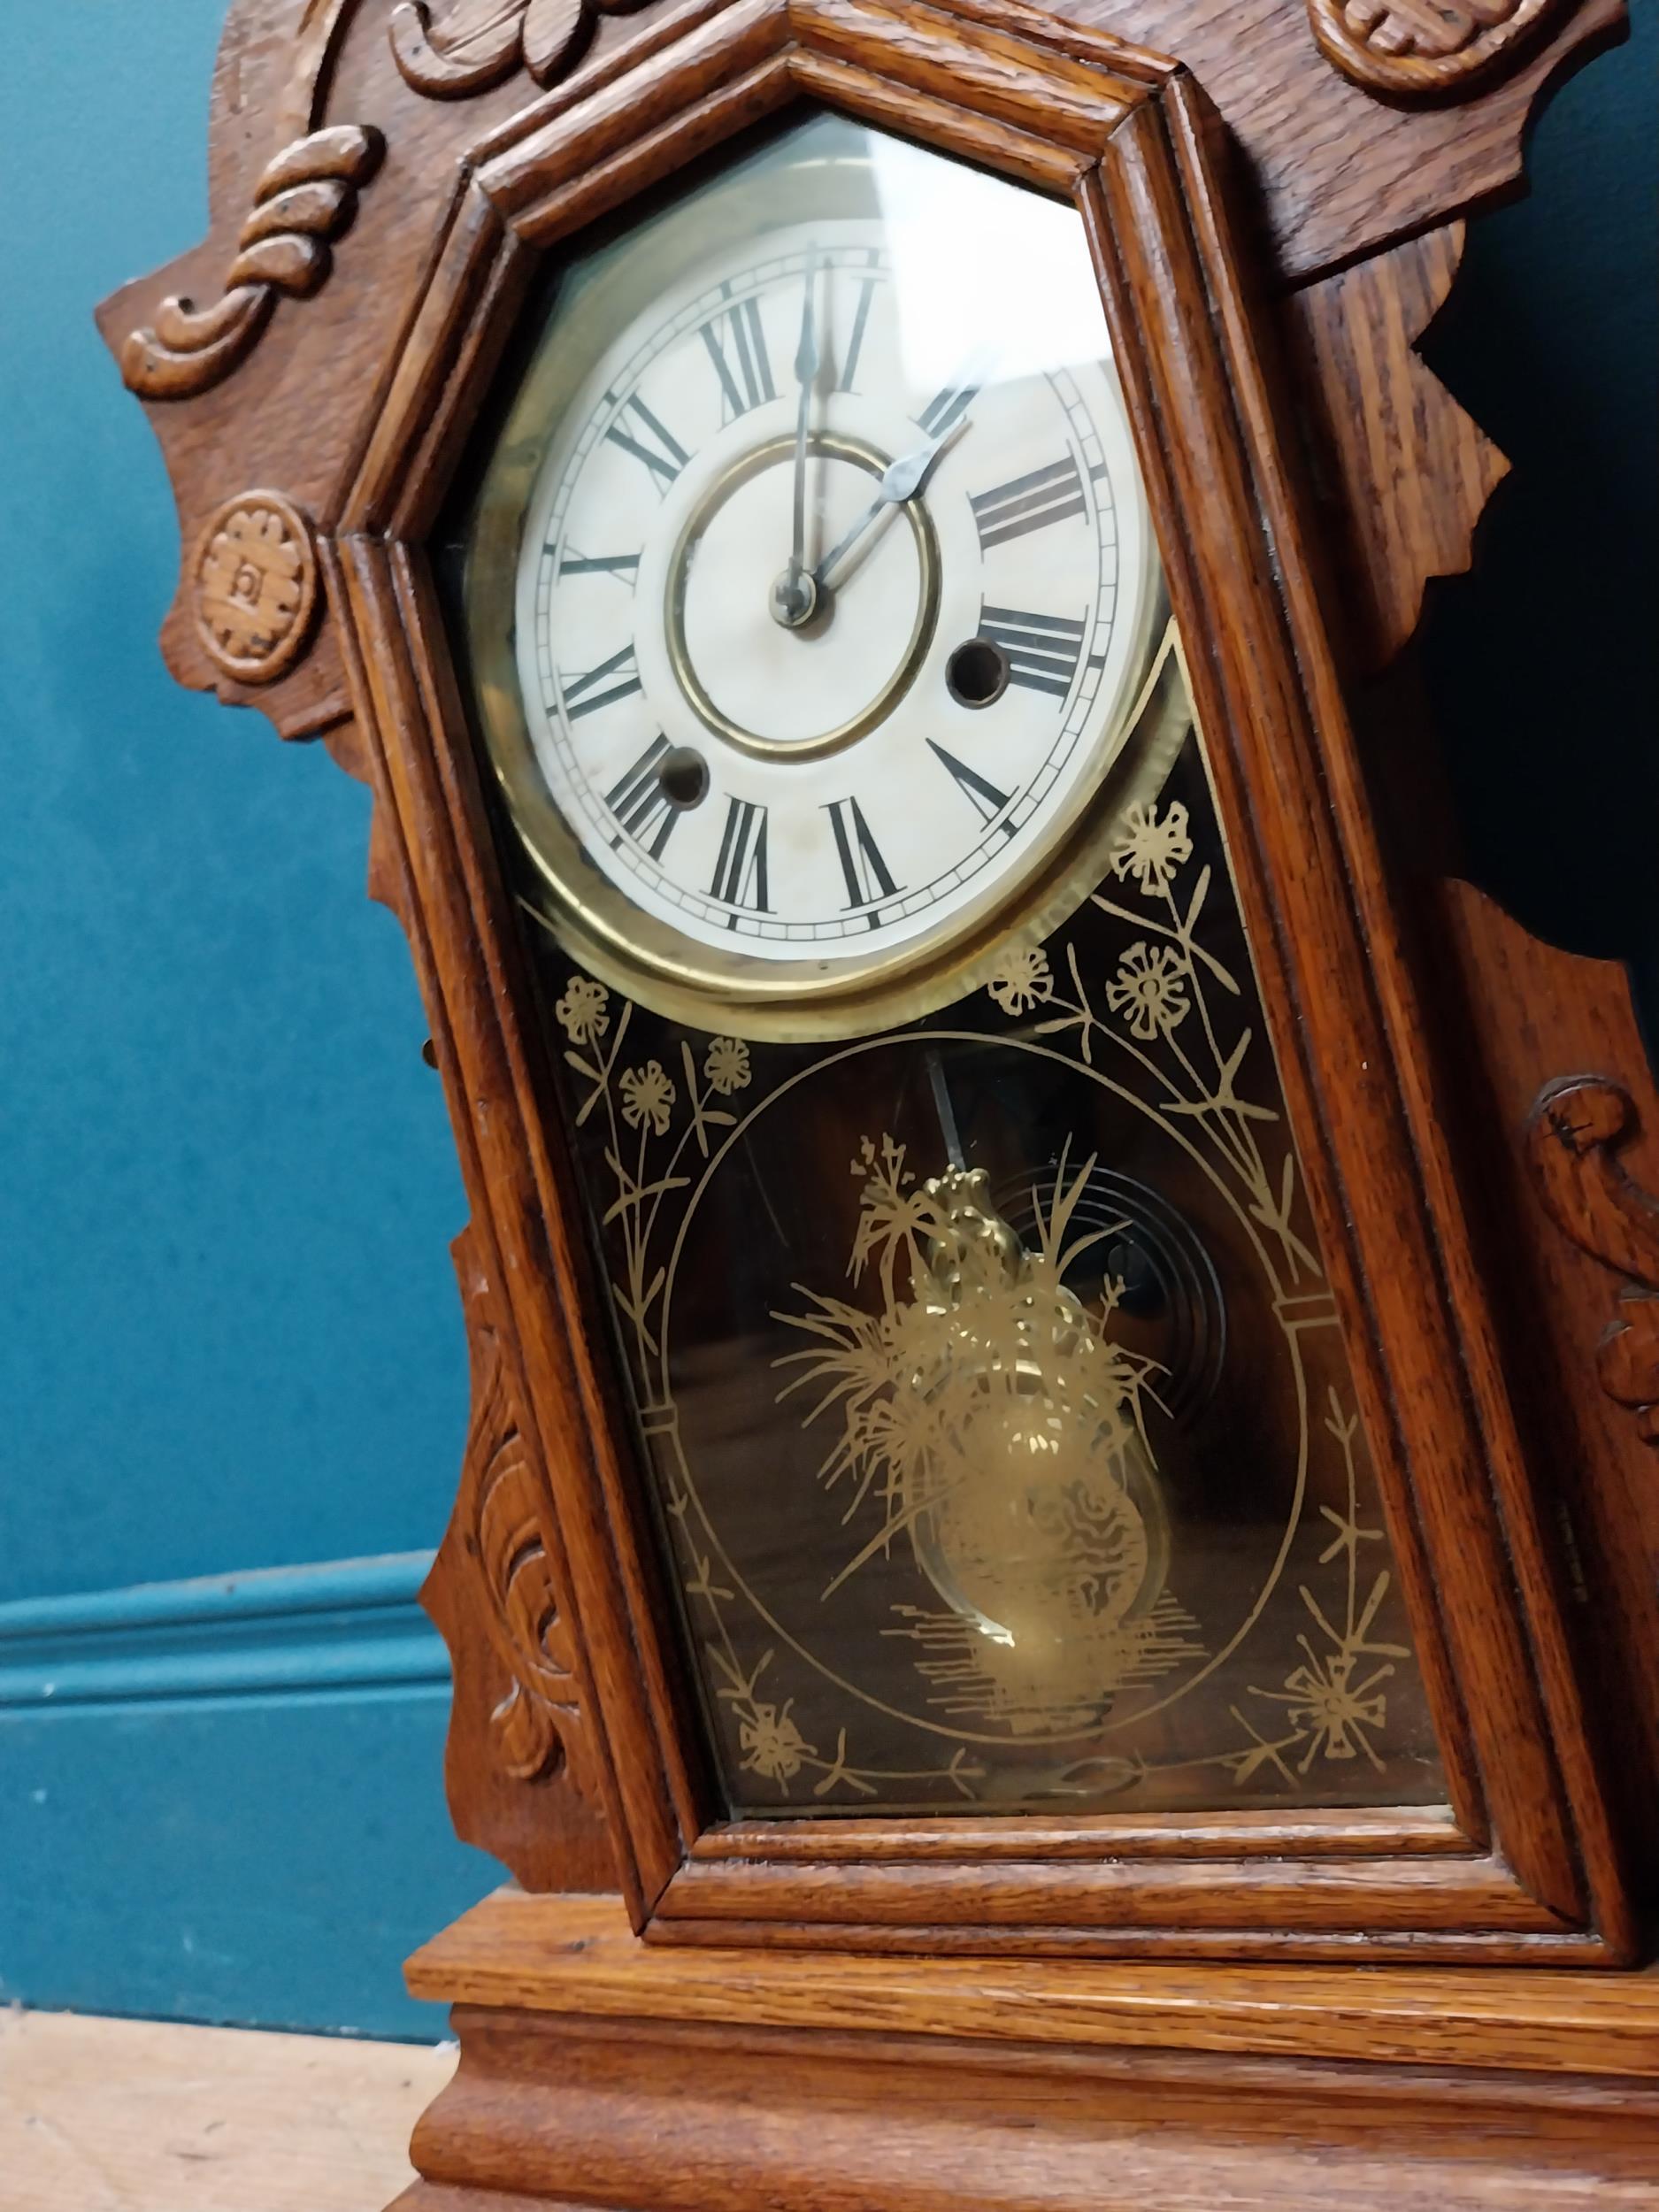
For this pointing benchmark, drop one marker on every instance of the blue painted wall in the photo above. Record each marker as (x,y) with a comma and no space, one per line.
(228,1335)
(226,1178)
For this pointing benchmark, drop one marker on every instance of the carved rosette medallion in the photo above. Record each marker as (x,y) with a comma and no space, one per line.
(1424,46)
(256,585)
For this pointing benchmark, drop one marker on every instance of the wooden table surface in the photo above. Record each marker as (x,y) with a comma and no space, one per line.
(139,2116)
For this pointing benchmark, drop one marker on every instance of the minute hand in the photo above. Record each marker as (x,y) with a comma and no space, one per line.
(901,480)
(806,368)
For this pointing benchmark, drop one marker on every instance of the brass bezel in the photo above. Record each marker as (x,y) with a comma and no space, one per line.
(598,925)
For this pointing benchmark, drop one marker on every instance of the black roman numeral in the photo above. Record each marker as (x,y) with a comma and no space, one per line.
(573,564)
(664,456)
(1042,648)
(1029,502)
(621,666)
(740,872)
(867,875)
(640,803)
(855,344)
(983,795)
(737,347)
(946,407)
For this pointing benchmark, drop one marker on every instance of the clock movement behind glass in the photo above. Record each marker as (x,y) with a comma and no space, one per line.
(1051,1595)
(977,1337)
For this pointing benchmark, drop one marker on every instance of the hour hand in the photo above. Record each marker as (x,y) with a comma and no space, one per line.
(901,480)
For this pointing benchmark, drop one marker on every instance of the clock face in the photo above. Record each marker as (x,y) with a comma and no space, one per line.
(834,589)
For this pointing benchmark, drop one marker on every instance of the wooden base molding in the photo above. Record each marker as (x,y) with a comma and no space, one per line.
(599,2071)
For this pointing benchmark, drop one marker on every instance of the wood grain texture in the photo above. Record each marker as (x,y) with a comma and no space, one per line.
(1424,49)
(1337,992)
(1456,1262)
(596,2069)
(454,909)
(1429,1830)
(801,2072)
(135,2116)
(736,2120)
(1392,1907)
(1184,340)
(1404,472)
(1529,1862)
(577,1956)
(455,50)
(1513,1014)
(1331,172)
(304,199)
(520,1759)
(1576,1132)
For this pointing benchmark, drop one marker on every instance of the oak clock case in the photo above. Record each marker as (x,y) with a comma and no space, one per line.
(1060,1354)
(992,1393)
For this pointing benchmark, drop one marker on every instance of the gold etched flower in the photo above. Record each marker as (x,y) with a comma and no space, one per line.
(647,1096)
(581,1013)
(726,1066)
(1150,990)
(1022,979)
(1324,1697)
(774,1747)
(1151,850)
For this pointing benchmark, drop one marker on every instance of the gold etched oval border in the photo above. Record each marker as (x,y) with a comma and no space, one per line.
(659,1418)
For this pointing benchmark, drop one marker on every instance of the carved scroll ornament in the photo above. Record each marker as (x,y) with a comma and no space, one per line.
(1574,1133)
(1403,47)
(477,44)
(304,198)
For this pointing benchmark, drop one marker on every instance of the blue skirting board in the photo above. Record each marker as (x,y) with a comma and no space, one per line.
(223,1800)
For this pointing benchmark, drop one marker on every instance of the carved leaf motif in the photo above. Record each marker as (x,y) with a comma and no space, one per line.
(1573,1134)
(1422,46)
(514,1558)
(552,31)
(538,1722)
(475,45)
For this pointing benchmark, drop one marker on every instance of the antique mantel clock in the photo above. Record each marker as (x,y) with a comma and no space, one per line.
(1052,1596)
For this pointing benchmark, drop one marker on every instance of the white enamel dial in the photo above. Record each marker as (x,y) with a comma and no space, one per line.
(812,594)
(835,578)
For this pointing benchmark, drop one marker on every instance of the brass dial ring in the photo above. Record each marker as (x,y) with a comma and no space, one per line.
(828,447)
